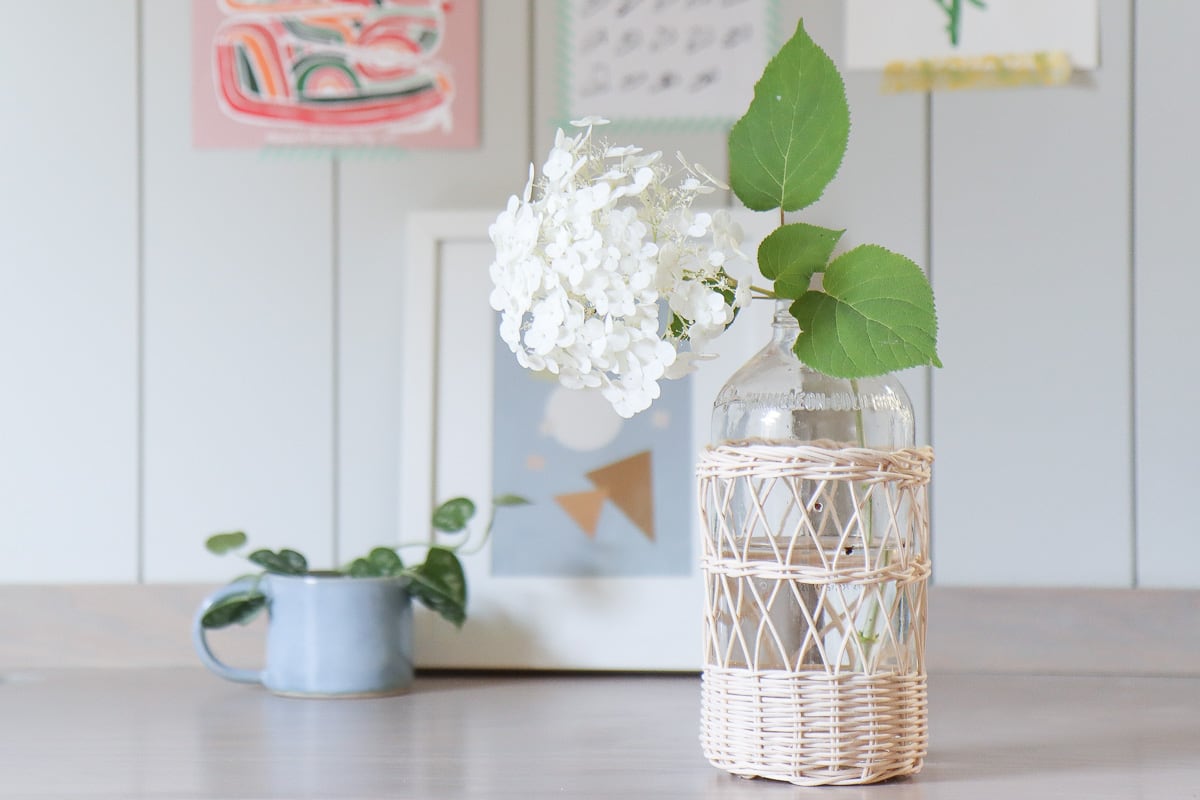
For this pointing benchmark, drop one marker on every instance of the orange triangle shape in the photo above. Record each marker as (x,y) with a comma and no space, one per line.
(584,508)
(630,485)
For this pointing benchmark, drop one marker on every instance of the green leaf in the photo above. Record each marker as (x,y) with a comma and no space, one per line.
(511,500)
(361,568)
(440,584)
(453,515)
(386,560)
(875,315)
(295,561)
(236,608)
(790,143)
(221,543)
(285,562)
(792,253)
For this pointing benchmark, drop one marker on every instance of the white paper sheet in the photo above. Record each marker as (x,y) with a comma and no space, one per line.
(660,60)
(879,32)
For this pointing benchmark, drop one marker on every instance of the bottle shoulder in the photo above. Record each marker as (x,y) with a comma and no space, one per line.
(776,397)
(774,377)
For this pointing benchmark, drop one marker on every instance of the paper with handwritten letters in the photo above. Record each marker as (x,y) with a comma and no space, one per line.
(685,61)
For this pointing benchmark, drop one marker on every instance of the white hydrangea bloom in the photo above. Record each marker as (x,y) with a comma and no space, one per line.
(605,274)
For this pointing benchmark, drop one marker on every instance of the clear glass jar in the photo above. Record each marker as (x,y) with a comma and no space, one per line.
(775,399)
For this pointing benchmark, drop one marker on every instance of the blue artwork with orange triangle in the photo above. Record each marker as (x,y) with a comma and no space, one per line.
(612,497)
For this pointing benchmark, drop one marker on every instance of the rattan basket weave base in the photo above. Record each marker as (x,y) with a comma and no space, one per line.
(815,561)
(814,729)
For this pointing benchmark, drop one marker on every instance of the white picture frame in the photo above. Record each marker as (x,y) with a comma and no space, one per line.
(587,623)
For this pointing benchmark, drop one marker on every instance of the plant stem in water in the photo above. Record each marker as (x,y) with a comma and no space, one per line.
(868,635)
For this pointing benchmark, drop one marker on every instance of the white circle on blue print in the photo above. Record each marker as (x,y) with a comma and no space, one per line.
(580,419)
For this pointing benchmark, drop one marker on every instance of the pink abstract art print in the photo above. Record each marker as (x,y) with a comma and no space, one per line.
(335,73)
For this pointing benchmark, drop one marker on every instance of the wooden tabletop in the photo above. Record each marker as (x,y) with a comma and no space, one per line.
(182,733)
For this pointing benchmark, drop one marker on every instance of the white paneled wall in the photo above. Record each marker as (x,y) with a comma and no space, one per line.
(69,292)
(201,340)
(238,335)
(1166,286)
(1031,255)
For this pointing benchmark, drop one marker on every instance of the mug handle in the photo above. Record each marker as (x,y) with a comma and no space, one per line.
(200,640)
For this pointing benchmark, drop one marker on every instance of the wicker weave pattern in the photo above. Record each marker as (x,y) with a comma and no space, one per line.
(815,562)
(813,728)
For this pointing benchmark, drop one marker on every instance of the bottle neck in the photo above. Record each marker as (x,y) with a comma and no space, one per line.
(784,328)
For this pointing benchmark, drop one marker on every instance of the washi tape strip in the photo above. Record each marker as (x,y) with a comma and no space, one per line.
(1001,71)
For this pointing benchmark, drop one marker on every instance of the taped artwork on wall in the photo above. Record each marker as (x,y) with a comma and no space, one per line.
(611,497)
(972,44)
(335,73)
(675,63)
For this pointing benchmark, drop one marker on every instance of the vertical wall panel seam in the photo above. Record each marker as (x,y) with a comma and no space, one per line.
(140,278)
(531,82)
(929,399)
(335,355)
(929,248)
(1133,296)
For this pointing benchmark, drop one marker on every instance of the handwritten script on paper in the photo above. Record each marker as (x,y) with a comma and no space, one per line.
(657,60)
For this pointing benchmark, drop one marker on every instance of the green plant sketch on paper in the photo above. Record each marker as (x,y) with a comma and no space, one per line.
(954,9)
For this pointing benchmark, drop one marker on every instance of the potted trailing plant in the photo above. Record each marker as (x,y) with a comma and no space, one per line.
(347,631)
(813,496)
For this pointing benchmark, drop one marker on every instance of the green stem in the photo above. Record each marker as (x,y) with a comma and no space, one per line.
(487,532)
(868,524)
(432,543)
(860,434)
(765,294)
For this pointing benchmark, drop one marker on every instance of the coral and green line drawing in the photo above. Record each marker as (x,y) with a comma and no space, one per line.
(335,64)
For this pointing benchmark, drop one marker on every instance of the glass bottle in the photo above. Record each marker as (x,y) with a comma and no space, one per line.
(775,399)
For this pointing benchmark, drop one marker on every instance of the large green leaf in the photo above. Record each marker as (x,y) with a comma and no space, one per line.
(222,543)
(285,562)
(875,315)
(790,143)
(386,560)
(235,609)
(441,585)
(453,515)
(792,253)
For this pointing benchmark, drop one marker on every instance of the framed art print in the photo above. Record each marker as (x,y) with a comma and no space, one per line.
(602,570)
(335,73)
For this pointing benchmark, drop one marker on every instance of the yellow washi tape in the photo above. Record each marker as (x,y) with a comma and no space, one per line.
(1046,68)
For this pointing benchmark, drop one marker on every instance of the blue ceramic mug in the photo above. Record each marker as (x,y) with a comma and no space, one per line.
(328,635)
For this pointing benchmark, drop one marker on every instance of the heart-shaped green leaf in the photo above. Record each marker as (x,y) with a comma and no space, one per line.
(386,560)
(790,143)
(875,315)
(453,515)
(361,568)
(440,584)
(285,562)
(235,609)
(792,253)
(222,543)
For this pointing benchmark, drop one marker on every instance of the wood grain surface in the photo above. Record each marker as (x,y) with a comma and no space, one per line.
(186,734)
